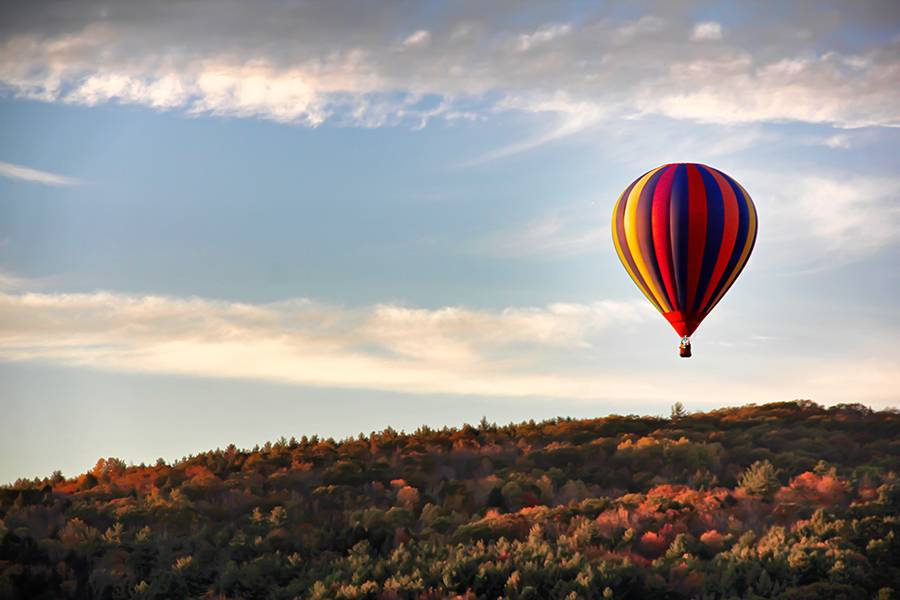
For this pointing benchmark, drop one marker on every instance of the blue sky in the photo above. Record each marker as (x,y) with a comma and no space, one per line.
(224,227)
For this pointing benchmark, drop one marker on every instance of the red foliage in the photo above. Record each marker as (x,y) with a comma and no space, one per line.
(653,544)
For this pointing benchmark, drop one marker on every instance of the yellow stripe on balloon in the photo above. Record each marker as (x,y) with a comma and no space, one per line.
(618,244)
(631,238)
(745,253)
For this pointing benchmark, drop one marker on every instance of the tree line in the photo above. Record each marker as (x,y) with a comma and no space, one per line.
(787,500)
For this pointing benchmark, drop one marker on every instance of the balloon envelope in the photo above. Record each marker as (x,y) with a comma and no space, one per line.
(684,232)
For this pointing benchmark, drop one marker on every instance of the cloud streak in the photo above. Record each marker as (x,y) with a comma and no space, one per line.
(21,173)
(563,233)
(389,347)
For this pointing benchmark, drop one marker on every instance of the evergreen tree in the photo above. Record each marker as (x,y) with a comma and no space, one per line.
(678,411)
(760,479)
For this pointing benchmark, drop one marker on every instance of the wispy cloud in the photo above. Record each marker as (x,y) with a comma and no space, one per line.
(420,38)
(577,230)
(21,173)
(818,221)
(542,35)
(568,117)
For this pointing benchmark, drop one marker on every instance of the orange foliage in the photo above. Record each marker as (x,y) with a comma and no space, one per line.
(713,539)
(408,496)
(534,512)
(492,513)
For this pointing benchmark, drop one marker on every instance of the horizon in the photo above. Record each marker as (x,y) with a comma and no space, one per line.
(445,428)
(221,228)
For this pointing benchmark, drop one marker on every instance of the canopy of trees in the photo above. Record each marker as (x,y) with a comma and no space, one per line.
(789,500)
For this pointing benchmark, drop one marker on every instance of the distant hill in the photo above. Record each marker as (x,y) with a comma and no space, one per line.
(788,500)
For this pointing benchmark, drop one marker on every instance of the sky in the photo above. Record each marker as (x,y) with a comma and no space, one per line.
(229,222)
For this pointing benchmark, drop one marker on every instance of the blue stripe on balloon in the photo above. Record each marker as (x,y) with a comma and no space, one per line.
(678,227)
(715,223)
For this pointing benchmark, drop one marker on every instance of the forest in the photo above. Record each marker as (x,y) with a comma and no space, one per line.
(788,500)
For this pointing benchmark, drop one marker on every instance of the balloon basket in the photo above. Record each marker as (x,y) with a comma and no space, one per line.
(684,350)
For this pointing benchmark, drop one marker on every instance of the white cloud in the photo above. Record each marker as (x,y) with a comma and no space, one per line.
(824,89)
(299,92)
(419,38)
(310,64)
(706,31)
(12,171)
(164,92)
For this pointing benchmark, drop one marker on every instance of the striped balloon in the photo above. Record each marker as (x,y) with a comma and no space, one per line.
(684,232)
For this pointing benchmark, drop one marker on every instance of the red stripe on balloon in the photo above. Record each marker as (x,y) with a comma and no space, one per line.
(729,236)
(662,242)
(696,231)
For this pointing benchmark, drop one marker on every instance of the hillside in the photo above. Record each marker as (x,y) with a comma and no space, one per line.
(788,500)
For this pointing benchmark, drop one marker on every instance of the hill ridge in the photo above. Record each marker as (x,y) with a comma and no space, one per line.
(788,499)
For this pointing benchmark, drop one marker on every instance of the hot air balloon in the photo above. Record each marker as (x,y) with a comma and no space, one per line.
(684,232)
